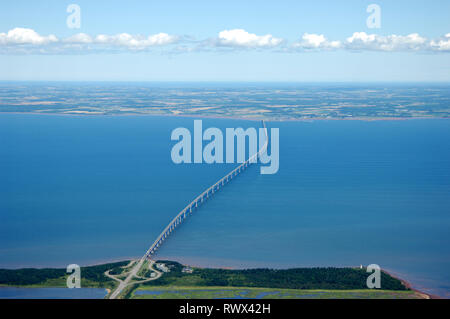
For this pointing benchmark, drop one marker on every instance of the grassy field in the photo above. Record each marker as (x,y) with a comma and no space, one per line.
(61,283)
(265,293)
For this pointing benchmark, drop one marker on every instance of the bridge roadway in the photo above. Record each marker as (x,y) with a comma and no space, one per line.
(178,219)
(181,216)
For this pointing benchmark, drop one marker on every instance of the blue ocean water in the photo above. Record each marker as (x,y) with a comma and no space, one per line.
(84,190)
(51,293)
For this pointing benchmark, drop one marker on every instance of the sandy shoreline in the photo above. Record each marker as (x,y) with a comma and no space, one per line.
(408,285)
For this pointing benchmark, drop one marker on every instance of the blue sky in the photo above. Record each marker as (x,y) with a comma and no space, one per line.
(225,41)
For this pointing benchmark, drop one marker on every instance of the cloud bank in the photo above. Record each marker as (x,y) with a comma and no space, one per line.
(361,41)
(28,41)
(23,40)
(123,40)
(373,42)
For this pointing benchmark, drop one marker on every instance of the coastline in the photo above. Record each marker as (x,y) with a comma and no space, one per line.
(406,283)
(231,117)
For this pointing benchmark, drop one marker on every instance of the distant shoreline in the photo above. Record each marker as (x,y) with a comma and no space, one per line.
(206,116)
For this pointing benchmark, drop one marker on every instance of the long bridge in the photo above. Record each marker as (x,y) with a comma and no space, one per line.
(178,219)
(184,213)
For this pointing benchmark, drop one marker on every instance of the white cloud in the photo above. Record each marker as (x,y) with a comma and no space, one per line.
(375,42)
(136,42)
(79,38)
(311,41)
(442,44)
(241,38)
(25,36)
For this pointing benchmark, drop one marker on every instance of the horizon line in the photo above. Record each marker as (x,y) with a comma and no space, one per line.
(236,81)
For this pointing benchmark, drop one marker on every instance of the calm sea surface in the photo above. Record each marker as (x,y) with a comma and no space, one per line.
(91,189)
(51,293)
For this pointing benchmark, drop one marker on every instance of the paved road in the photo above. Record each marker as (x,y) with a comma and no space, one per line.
(133,273)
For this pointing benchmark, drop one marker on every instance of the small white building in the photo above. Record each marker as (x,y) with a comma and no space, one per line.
(187,270)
